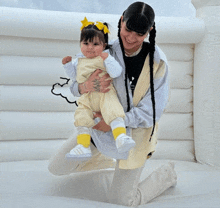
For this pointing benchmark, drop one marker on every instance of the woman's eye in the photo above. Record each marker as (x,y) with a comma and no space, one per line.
(85,43)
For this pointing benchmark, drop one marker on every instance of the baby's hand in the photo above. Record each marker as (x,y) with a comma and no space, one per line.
(66,59)
(104,55)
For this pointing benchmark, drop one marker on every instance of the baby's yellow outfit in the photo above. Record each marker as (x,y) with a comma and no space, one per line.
(106,103)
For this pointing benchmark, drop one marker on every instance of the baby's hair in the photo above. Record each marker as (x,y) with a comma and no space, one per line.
(87,34)
(139,17)
(91,31)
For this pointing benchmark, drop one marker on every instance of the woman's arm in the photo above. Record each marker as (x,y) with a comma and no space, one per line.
(101,125)
(94,83)
(142,115)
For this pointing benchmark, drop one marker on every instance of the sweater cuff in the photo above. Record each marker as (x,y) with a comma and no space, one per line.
(75,89)
(67,64)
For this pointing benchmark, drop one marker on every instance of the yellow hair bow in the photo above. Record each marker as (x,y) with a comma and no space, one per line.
(103,27)
(99,25)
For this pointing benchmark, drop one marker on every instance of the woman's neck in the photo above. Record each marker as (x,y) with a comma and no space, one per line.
(130,53)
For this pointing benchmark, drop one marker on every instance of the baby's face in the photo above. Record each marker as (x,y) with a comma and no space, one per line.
(92,49)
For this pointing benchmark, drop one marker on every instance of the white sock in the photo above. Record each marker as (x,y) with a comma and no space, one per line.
(118,122)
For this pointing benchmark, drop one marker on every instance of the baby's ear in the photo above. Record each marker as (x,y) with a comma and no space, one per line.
(104,46)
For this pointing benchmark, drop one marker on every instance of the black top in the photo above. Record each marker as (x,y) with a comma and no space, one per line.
(134,67)
(135,64)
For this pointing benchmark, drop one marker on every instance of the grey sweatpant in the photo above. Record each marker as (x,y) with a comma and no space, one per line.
(125,188)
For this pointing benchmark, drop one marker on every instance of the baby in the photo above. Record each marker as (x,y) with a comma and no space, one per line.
(93,41)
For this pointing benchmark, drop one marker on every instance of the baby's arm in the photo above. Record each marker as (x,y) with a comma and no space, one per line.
(66,59)
(70,67)
(112,66)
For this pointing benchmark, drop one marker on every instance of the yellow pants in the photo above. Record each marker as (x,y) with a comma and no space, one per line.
(106,103)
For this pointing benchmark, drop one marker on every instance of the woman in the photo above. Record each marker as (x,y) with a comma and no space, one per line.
(143,92)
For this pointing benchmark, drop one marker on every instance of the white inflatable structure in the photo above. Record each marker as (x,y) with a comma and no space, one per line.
(34,123)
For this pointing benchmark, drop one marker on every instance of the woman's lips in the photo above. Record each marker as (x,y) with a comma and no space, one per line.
(129,41)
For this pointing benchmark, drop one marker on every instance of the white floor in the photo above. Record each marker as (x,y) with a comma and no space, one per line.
(29,184)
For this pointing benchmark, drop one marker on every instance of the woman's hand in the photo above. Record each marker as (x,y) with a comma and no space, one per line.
(96,83)
(101,126)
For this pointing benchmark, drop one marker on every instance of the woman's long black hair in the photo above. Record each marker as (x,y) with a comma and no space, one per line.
(139,17)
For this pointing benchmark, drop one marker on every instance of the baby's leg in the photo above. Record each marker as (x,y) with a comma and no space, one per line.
(110,106)
(113,114)
(123,142)
(118,127)
(59,165)
(84,116)
(82,150)
(83,121)
(83,136)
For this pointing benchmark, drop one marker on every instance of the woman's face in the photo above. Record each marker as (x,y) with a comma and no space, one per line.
(131,40)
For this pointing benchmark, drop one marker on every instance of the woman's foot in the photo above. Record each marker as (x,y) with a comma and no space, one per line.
(80,153)
(124,143)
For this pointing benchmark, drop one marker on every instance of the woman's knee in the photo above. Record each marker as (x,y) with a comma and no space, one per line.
(64,168)
(53,169)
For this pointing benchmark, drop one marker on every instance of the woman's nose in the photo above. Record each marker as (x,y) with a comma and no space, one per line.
(131,37)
